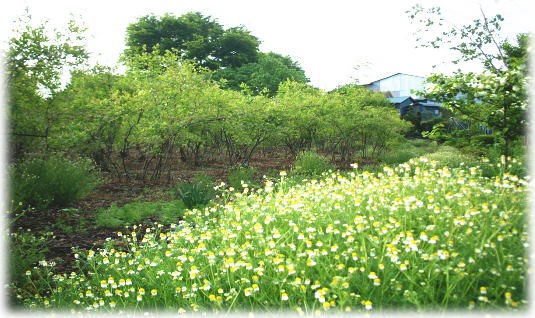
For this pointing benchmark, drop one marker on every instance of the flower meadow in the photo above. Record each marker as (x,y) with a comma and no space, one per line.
(414,237)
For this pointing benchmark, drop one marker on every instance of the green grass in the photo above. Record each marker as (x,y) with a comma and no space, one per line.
(410,148)
(415,237)
(133,213)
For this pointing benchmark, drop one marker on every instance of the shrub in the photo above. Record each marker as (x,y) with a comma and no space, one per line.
(132,213)
(310,164)
(239,174)
(197,193)
(53,181)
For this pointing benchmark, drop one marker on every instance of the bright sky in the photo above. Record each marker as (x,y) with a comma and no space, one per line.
(329,39)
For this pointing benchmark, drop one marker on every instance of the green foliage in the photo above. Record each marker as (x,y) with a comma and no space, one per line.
(54,181)
(391,236)
(496,98)
(197,193)
(37,60)
(358,120)
(264,76)
(240,175)
(310,164)
(404,151)
(452,158)
(135,212)
(194,37)
(166,105)
(26,249)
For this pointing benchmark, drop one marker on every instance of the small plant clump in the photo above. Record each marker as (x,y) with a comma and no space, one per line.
(196,193)
(135,212)
(54,181)
(309,164)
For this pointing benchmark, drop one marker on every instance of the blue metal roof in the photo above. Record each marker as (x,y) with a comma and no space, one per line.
(397,100)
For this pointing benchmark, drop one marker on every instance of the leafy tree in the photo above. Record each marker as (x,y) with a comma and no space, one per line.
(299,106)
(236,47)
(496,97)
(195,37)
(37,60)
(264,76)
(91,121)
(359,120)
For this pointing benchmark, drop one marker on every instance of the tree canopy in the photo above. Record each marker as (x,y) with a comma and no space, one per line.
(233,53)
(194,37)
(263,76)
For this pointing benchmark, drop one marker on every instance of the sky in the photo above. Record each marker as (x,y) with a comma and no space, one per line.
(335,42)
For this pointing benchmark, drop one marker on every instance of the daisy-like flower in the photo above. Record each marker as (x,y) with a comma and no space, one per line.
(193,272)
(367,304)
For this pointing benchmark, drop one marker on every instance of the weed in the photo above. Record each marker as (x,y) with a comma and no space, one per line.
(197,193)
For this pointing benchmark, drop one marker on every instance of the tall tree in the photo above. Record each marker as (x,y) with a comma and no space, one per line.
(194,37)
(497,97)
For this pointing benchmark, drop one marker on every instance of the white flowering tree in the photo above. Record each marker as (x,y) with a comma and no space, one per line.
(497,97)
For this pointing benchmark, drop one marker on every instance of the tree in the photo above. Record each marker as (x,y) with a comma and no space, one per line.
(194,37)
(263,76)
(37,60)
(356,119)
(497,97)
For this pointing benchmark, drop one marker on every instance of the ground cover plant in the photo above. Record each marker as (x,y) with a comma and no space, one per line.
(418,236)
(135,212)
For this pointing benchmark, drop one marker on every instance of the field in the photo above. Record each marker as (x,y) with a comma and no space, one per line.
(414,237)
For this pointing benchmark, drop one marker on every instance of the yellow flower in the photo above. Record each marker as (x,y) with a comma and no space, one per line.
(367,304)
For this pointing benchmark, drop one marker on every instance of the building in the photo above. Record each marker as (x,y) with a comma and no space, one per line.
(401,90)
